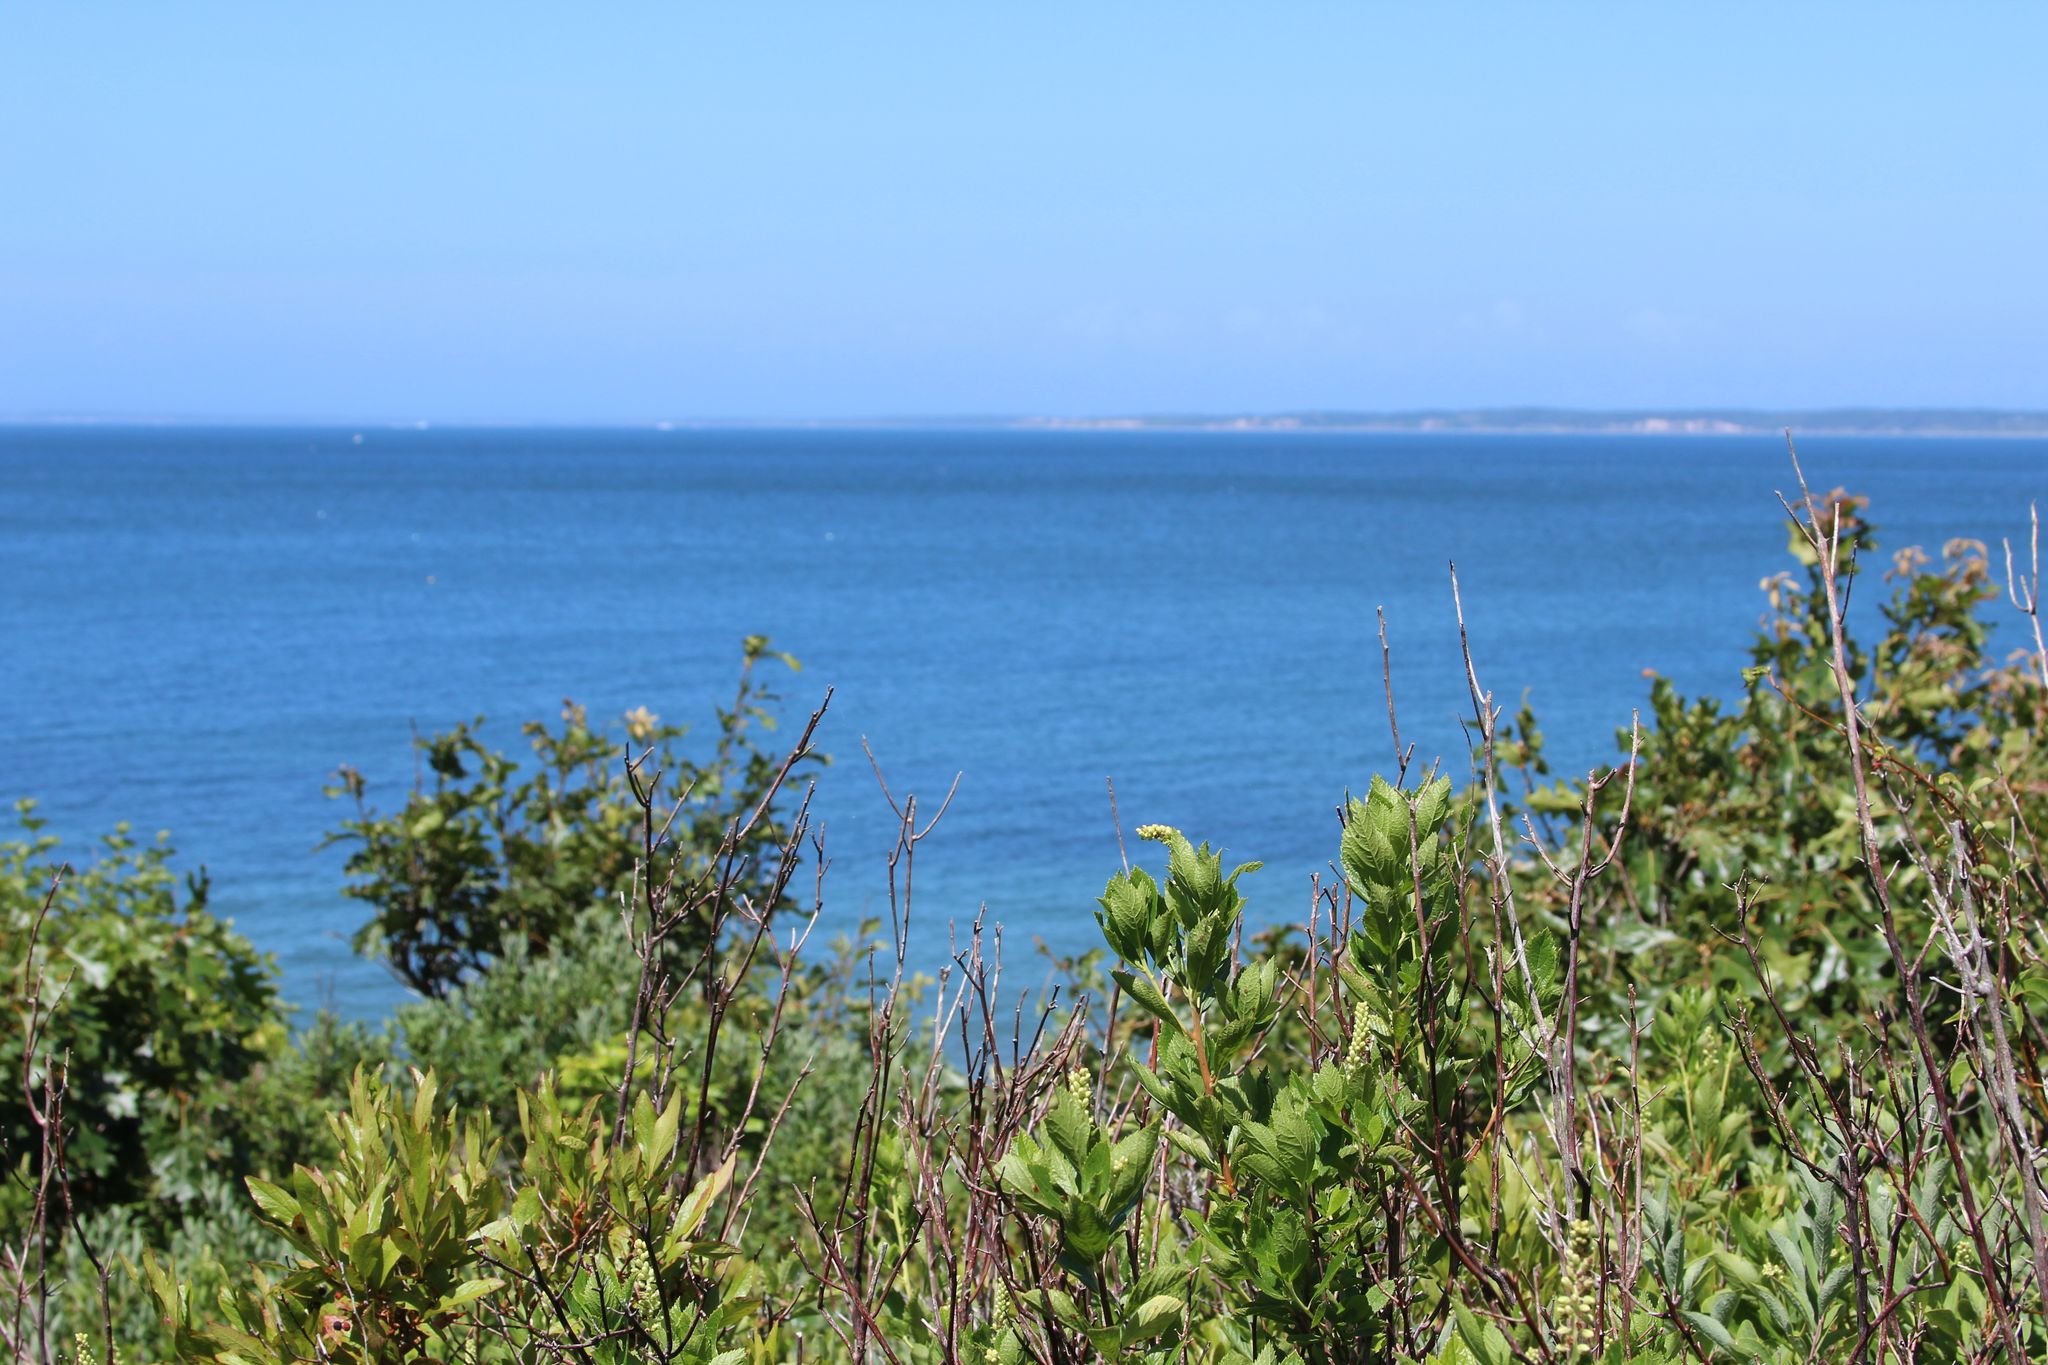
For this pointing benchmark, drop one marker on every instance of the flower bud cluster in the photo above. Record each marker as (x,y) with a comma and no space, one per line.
(1577,1306)
(1080,1087)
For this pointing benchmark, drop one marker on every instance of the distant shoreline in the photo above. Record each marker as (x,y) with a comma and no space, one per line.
(1946,422)
(1573,422)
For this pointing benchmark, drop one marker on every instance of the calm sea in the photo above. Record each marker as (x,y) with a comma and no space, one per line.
(201,624)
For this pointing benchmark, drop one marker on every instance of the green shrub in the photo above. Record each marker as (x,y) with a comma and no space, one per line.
(481,861)
(155,1011)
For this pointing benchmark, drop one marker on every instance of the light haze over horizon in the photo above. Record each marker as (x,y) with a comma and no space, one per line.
(472,212)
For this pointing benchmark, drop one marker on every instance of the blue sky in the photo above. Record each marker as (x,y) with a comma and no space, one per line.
(624,212)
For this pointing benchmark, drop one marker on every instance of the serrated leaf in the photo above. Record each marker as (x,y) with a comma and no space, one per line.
(1128,904)
(1069,1125)
(1130,1164)
(1194,1144)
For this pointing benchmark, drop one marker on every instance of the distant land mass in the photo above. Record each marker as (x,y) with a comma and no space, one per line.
(1646,422)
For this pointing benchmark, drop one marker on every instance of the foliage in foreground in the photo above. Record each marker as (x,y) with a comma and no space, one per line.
(1730,1053)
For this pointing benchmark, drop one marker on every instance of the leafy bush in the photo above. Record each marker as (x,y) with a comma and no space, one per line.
(158,1011)
(481,861)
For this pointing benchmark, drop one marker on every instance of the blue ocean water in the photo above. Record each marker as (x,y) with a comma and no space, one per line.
(200,625)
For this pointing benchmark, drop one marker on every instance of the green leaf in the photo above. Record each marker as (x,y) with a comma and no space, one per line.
(1086,1232)
(1069,1125)
(1130,1161)
(663,1141)
(1127,909)
(1541,949)
(1739,1269)
(278,1206)
(1482,1339)
(468,1292)
(1145,993)
(1432,804)
(1154,1316)
(1194,1145)
(1712,1329)
(691,1215)
(1057,1302)
(1371,864)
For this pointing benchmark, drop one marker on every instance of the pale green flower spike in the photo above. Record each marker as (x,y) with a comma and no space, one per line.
(1079,1084)
(1361,1041)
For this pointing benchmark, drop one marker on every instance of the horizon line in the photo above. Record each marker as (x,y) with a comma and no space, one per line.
(1842,419)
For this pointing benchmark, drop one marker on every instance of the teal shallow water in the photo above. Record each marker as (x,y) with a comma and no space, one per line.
(202,624)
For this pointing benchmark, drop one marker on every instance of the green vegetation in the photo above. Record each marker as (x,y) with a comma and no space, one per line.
(1730,1053)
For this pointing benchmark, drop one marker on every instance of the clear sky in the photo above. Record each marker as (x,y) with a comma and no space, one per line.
(624,212)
